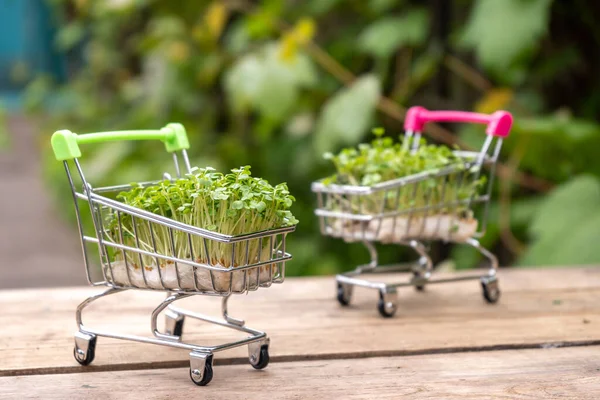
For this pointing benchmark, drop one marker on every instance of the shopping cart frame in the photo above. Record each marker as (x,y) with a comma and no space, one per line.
(498,127)
(66,148)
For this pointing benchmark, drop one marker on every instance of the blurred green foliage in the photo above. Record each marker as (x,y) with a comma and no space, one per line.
(276,83)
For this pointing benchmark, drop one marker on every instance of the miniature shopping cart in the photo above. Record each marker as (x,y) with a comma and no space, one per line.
(178,276)
(437,205)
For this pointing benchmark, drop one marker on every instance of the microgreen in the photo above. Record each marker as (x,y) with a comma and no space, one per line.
(232,204)
(383,159)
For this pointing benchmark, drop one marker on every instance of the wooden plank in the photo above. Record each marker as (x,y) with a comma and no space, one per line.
(538,308)
(572,373)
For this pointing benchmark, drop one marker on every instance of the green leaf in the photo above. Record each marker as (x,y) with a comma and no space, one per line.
(263,23)
(381,6)
(566,205)
(261,205)
(570,143)
(243,82)
(319,7)
(302,70)
(502,31)
(580,245)
(347,115)
(167,27)
(562,228)
(575,129)
(577,245)
(277,94)
(281,83)
(70,35)
(522,211)
(386,35)
(236,38)
(268,84)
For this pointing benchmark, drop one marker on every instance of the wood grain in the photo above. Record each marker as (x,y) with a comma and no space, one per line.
(542,307)
(524,374)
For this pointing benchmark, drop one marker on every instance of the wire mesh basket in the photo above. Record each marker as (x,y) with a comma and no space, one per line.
(146,251)
(435,204)
(186,259)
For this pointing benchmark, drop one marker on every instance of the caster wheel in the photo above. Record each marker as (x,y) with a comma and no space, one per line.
(387,307)
(263,359)
(417,276)
(491,291)
(207,375)
(85,356)
(344,294)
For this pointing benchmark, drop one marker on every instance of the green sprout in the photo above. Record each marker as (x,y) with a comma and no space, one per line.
(232,204)
(384,160)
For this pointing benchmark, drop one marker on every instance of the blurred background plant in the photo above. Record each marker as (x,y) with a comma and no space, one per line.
(276,83)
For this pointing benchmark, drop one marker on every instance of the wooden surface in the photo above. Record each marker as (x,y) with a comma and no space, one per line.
(543,334)
(571,373)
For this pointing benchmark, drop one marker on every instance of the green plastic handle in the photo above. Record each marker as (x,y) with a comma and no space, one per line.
(66,143)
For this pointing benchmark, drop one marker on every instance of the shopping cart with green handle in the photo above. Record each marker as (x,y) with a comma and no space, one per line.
(129,261)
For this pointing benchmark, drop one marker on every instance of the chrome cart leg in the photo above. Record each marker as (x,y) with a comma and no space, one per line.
(85,342)
(226,317)
(258,353)
(171,328)
(89,301)
(344,290)
(422,272)
(388,299)
(201,371)
(173,321)
(489,282)
(373,254)
(344,293)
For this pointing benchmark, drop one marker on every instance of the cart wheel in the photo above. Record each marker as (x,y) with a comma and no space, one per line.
(85,348)
(491,291)
(263,359)
(387,304)
(207,375)
(344,294)
(417,276)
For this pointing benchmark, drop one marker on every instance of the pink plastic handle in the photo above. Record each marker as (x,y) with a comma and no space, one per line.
(498,123)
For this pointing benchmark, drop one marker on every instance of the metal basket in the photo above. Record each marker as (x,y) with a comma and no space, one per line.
(431,205)
(131,260)
(196,261)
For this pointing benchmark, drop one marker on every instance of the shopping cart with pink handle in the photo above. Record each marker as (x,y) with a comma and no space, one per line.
(432,205)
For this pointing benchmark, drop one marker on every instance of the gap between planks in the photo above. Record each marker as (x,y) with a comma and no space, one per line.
(297,358)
